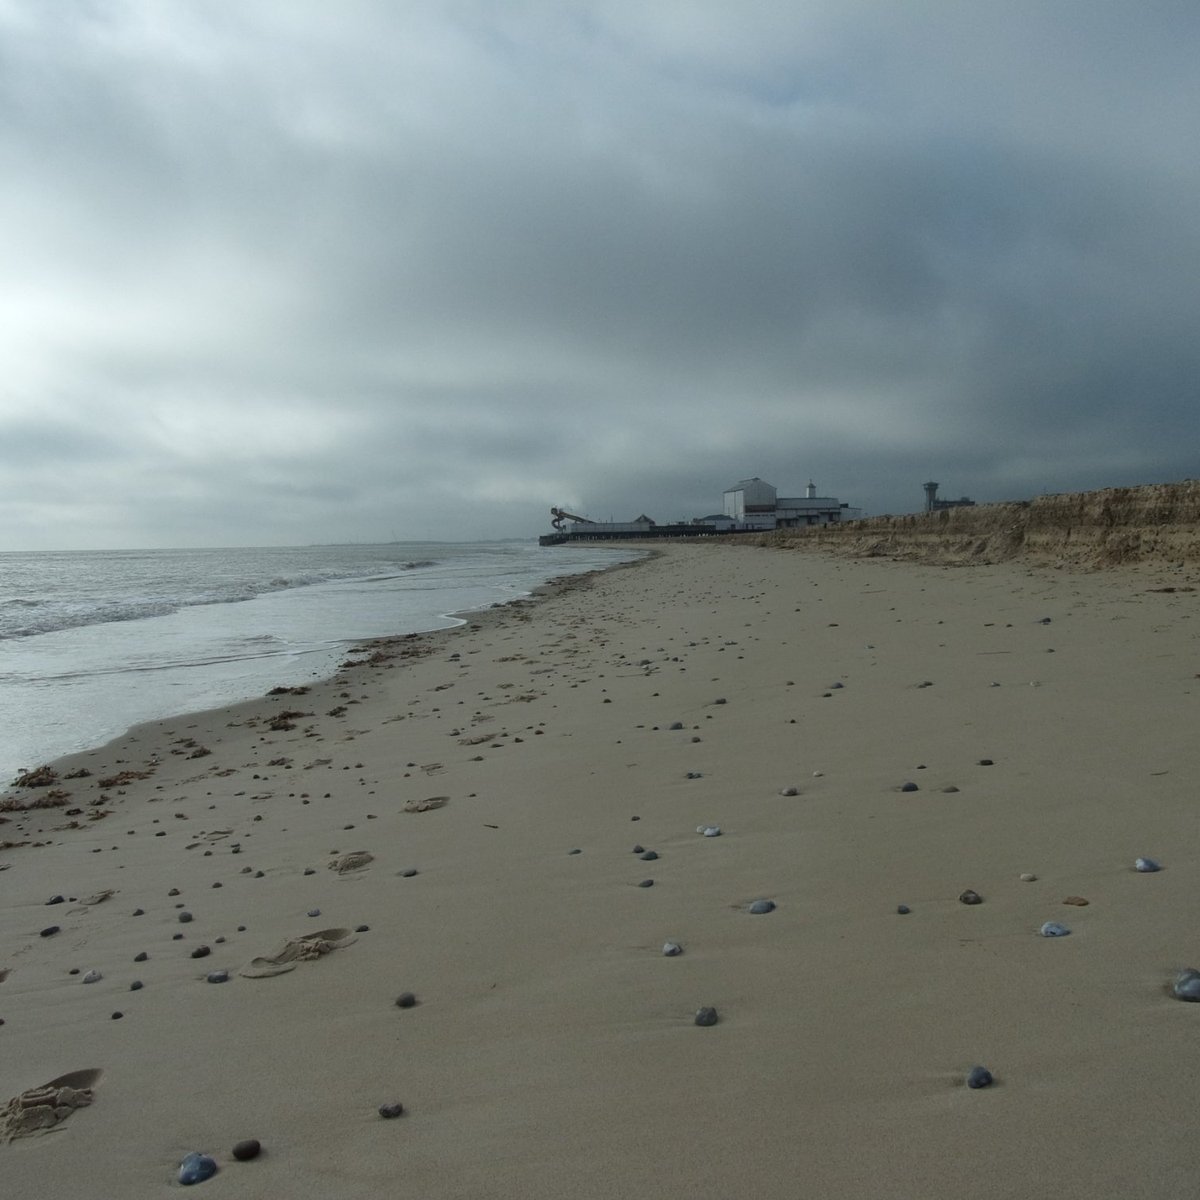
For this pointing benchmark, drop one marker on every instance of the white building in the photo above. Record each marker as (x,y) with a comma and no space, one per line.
(751,502)
(754,504)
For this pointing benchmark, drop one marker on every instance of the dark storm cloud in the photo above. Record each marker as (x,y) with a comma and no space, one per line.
(314,271)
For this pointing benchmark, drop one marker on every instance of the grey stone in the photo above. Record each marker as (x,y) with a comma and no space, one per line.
(196,1168)
(1187,985)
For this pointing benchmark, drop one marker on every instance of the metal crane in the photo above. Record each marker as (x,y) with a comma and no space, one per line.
(560,515)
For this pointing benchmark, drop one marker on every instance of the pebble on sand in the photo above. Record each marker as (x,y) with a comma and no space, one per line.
(671,949)
(217,976)
(1054,929)
(646,883)
(391,1111)
(245,1150)
(979,1077)
(50,930)
(1078,901)
(1146,866)
(196,1168)
(706,1016)
(1187,985)
(903,909)
(93,976)
(406,1000)
(789,791)
(970,897)
(1028,877)
(201,952)
(909,787)
(762,906)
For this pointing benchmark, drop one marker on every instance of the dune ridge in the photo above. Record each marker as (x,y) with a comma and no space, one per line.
(1151,523)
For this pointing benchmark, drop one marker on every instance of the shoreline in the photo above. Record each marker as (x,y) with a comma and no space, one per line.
(397,645)
(307,667)
(511,764)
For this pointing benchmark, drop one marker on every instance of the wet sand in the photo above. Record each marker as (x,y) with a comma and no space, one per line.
(551,1050)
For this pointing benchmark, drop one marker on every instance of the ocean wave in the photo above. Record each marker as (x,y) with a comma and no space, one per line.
(25,617)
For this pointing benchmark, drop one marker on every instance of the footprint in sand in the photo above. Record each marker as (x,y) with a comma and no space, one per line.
(354,861)
(42,1108)
(420,806)
(92,901)
(306,948)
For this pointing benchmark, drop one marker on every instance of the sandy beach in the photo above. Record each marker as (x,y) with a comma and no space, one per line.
(459,816)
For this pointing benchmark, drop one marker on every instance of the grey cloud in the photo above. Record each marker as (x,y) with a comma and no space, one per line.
(313,269)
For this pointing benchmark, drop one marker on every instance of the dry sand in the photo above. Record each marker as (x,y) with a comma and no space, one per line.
(552,1051)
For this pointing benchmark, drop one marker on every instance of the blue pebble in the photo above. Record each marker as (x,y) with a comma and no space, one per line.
(762,906)
(903,909)
(217,977)
(1054,929)
(1146,865)
(979,1077)
(1187,986)
(196,1168)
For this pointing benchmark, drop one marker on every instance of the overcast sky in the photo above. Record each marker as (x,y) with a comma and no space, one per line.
(288,271)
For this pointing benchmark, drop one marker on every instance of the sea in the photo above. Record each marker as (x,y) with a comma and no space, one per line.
(93,642)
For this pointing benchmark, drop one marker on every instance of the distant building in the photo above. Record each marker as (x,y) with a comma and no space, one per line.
(721,522)
(754,504)
(933,504)
(750,505)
